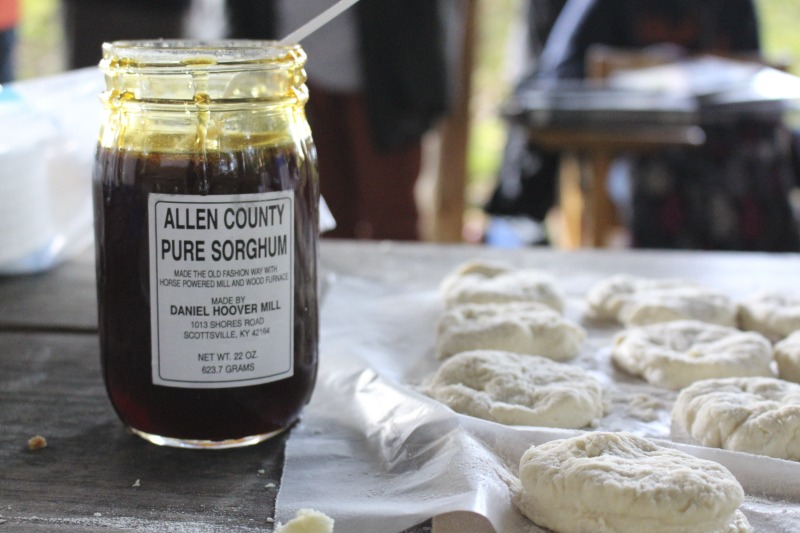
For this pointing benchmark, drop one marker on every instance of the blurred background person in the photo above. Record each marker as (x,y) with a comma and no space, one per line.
(377,80)
(90,23)
(9,19)
(732,193)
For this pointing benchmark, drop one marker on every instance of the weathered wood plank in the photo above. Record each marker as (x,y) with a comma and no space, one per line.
(50,384)
(61,299)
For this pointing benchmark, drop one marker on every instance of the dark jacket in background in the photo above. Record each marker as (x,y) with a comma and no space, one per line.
(404,67)
(90,23)
(402,59)
(722,26)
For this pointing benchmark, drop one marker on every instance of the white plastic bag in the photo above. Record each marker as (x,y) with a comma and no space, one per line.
(48,136)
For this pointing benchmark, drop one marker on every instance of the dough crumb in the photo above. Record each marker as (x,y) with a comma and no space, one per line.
(37,443)
(307,521)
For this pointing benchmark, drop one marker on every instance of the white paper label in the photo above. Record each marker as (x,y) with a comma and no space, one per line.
(221,289)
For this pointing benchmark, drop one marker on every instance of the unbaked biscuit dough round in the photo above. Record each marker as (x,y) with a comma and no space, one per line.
(617,482)
(606,298)
(755,415)
(773,314)
(637,301)
(491,282)
(676,354)
(787,355)
(517,389)
(521,327)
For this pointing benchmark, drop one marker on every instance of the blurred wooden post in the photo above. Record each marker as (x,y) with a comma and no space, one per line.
(450,187)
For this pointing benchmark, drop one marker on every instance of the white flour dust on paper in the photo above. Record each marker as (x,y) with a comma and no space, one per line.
(402,457)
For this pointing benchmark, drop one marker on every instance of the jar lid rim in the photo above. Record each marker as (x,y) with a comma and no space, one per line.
(155,52)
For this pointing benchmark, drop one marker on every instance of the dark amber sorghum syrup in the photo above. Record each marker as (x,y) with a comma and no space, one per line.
(203,148)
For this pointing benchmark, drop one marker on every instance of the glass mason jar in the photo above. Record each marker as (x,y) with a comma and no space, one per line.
(206,200)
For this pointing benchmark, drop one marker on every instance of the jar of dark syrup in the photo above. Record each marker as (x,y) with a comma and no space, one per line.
(206,219)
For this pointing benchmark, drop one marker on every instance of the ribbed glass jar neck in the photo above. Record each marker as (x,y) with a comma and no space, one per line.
(214,72)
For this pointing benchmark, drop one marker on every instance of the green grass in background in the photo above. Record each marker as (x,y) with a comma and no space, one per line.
(491,84)
(780,31)
(41,39)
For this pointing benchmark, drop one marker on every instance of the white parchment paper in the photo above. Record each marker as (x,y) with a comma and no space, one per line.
(378,456)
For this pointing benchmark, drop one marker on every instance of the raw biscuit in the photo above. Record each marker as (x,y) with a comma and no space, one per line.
(491,282)
(517,389)
(773,314)
(755,415)
(675,354)
(606,482)
(617,482)
(787,355)
(521,327)
(635,301)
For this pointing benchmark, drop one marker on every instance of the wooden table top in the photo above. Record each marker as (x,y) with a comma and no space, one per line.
(94,476)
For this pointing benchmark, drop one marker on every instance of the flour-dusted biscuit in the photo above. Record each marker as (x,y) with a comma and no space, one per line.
(773,314)
(787,355)
(679,303)
(521,327)
(491,282)
(617,482)
(477,267)
(675,354)
(517,389)
(606,298)
(755,415)
(637,301)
